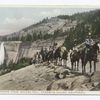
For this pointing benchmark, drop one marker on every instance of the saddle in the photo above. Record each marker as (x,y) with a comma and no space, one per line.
(74,52)
(88,49)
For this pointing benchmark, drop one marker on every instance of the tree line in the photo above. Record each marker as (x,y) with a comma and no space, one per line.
(87,22)
(35,36)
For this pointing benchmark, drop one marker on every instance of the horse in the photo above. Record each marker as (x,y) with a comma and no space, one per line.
(50,56)
(61,53)
(44,53)
(74,58)
(89,56)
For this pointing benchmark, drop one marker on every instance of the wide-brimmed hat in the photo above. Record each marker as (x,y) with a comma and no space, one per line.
(89,34)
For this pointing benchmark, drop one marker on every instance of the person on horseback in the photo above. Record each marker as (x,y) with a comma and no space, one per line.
(45,54)
(75,45)
(37,58)
(42,53)
(50,48)
(54,47)
(74,49)
(45,50)
(89,42)
(50,54)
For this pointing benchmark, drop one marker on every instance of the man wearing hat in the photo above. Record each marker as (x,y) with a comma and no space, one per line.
(88,42)
(55,46)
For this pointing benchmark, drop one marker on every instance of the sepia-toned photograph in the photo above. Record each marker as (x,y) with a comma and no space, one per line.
(50,49)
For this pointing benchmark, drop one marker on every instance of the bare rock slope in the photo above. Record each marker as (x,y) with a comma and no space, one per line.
(49,77)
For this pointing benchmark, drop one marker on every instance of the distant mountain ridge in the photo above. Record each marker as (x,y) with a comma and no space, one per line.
(46,26)
(78,24)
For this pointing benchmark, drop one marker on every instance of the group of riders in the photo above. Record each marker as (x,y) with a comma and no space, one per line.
(88,53)
(42,55)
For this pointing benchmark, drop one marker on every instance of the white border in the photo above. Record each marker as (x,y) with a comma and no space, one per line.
(50,6)
(31,92)
(52,3)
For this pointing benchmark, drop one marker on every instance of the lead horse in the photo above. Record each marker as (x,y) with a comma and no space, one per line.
(89,56)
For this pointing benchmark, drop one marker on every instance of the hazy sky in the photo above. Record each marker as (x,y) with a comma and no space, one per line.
(13,19)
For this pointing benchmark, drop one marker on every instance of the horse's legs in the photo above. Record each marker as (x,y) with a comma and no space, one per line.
(94,66)
(57,61)
(72,65)
(84,66)
(90,66)
(84,62)
(78,65)
(62,62)
(66,63)
(75,66)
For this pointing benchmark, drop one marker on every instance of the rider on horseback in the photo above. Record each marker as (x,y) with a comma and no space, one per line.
(54,47)
(74,49)
(89,42)
(50,48)
(75,45)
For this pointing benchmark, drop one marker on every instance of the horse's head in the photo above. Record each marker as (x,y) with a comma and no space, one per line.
(95,47)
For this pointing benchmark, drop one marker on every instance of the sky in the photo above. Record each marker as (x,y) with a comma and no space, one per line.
(13,19)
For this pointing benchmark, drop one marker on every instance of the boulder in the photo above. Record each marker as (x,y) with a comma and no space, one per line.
(51,65)
(78,83)
(75,83)
(96,88)
(96,77)
(61,72)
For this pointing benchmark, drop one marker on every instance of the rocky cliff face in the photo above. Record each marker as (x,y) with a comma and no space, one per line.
(17,49)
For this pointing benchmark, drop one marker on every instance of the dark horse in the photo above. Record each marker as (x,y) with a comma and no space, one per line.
(89,55)
(61,54)
(50,56)
(74,58)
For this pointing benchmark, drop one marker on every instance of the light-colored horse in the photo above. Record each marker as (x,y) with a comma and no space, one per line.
(61,54)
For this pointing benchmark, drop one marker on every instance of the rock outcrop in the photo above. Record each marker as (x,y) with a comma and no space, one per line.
(18,49)
(45,77)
